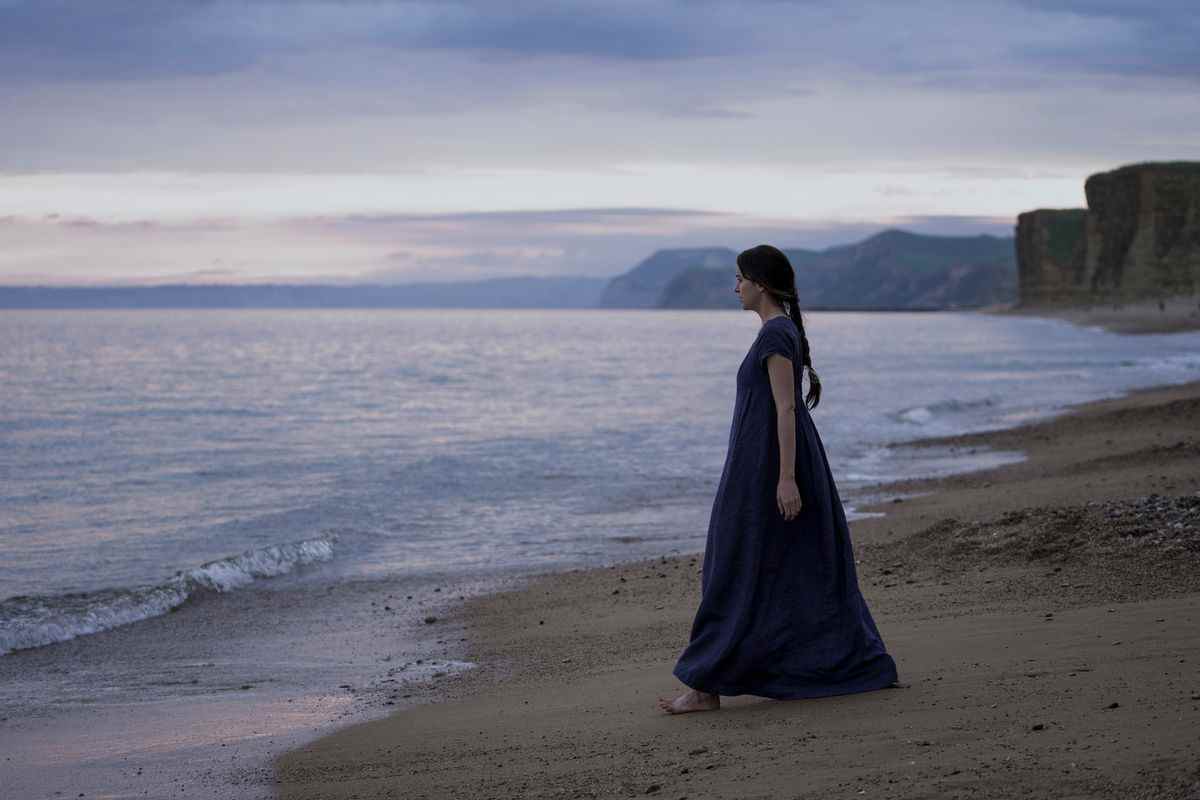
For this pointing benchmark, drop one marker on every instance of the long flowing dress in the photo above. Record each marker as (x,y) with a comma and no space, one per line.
(781,614)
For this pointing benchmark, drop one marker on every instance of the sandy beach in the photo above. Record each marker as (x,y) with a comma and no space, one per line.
(1044,616)
(383,382)
(1175,314)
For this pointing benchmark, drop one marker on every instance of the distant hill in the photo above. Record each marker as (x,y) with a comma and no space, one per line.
(893,269)
(519,292)
(641,286)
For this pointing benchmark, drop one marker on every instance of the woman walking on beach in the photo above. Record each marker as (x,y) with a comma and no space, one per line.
(780,614)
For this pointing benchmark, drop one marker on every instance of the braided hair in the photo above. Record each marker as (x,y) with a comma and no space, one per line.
(770,268)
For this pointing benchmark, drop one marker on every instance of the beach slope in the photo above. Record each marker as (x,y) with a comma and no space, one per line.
(1044,615)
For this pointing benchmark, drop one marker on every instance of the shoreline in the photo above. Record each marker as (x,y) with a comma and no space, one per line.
(179,703)
(237,713)
(569,662)
(1175,314)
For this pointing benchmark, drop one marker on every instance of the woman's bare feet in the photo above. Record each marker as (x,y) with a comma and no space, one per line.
(691,700)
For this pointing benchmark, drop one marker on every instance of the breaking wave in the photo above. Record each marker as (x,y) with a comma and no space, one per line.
(919,415)
(32,621)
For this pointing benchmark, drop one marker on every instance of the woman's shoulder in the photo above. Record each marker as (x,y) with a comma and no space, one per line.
(778,325)
(778,335)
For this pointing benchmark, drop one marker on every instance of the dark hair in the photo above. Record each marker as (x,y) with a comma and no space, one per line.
(770,268)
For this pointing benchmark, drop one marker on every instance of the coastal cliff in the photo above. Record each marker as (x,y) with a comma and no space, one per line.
(1138,239)
(1051,250)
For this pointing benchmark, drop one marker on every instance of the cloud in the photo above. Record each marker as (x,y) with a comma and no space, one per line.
(267,85)
(115,39)
(808,110)
(1129,39)
(637,31)
(403,248)
(104,40)
(850,191)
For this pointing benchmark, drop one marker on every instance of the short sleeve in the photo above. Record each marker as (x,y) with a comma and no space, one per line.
(775,341)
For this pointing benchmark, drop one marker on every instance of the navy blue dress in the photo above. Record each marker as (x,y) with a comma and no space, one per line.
(780,614)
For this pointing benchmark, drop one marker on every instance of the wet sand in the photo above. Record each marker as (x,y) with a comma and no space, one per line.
(197,702)
(1044,615)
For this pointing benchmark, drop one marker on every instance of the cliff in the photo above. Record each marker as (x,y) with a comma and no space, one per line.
(1138,239)
(1050,255)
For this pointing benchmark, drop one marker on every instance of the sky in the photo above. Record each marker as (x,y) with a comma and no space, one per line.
(368,140)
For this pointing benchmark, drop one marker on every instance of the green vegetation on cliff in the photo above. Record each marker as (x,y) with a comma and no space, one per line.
(1065,234)
(1139,238)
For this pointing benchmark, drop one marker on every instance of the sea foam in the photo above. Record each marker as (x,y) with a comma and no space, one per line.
(34,621)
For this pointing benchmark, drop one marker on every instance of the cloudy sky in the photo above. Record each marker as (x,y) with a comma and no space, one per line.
(376,140)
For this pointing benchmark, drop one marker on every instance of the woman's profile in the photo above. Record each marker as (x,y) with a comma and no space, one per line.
(780,614)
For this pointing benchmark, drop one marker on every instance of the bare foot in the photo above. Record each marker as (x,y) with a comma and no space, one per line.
(691,700)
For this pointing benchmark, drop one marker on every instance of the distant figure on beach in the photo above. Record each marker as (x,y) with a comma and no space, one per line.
(780,613)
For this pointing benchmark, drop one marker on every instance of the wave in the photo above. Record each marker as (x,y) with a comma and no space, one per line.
(919,415)
(1183,363)
(33,621)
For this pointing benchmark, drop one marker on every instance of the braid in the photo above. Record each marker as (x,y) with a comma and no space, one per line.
(814,382)
(769,268)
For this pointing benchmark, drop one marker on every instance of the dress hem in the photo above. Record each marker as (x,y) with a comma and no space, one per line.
(890,680)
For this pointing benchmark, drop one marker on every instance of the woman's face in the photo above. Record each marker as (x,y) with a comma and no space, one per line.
(746,289)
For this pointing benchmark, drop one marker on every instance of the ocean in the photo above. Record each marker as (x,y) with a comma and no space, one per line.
(224,533)
(148,456)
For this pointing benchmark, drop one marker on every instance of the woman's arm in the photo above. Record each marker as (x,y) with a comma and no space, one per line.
(783,388)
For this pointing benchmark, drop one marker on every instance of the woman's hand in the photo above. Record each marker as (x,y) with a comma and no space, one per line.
(787,497)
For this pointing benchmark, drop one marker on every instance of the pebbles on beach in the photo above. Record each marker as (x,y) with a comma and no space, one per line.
(1057,533)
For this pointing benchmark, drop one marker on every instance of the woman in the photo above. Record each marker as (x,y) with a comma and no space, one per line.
(780,613)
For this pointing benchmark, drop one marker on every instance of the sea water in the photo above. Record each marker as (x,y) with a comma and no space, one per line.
(151,454)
